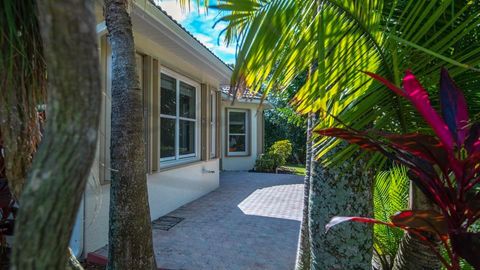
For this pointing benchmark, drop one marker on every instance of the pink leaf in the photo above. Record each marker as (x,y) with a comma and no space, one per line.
(338,219)
(419,98)
(387,83)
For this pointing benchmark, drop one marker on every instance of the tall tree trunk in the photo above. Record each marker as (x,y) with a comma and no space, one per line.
(345,190)
(23,74)
(62,163)
(414,254)
(130,234)
(303,252)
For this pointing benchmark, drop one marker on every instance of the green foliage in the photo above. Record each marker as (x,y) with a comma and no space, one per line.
(282,122)
(390,195)
(275,157)
(341,38)
(266,163)
(280,151)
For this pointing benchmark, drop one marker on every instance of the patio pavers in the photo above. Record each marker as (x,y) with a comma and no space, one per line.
(251,221)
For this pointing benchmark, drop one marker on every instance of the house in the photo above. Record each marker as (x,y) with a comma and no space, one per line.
(193,130)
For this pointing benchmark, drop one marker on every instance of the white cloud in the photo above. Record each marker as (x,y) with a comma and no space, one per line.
(225,49)
(206,40)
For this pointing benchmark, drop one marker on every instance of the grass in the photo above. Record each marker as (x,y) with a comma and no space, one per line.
(298,169)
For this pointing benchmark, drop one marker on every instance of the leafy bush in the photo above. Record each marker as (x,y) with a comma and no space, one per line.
(280,151)
(265,163)
(275,157)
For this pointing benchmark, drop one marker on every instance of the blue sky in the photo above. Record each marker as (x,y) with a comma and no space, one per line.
(200,23)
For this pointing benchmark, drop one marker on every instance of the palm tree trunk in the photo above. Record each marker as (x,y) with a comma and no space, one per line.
(303,252)
(414,254)
(23,69)
(130,232)
(345,190)
(62,164)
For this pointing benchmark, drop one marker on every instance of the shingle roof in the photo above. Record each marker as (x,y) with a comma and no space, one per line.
(245,94)
(188,32)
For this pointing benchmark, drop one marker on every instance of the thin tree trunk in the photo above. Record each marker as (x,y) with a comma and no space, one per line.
(303,252)
(62,163)
(130,234)
(414,254)
(345,190)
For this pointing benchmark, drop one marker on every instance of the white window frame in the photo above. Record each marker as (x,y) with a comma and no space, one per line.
(179,159)
(247,130)
(213,123)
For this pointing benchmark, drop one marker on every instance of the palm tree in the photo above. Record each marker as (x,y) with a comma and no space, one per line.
(303,252)
(279,39)
(60,168)
(130,230)
(23,69)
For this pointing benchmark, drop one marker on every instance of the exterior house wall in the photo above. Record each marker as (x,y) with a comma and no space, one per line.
(246,162)
(162,44)
(168,187)
(167,191)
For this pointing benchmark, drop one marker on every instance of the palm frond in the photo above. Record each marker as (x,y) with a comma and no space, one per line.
(390,195)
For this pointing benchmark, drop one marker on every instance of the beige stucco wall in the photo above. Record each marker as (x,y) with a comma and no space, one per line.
(167,191)
(170,188)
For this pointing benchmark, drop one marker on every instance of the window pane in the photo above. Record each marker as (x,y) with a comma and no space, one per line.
(236,143)
(187,137)
(168,95)
(237,122)
(167,137)
(187,100)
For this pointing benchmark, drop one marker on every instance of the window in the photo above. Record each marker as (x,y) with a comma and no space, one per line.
(237,130)
(213,123)
(179,125)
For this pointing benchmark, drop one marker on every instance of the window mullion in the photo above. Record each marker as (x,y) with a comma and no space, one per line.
(177,121)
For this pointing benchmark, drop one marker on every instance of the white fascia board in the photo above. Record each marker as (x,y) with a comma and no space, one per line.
(182,38)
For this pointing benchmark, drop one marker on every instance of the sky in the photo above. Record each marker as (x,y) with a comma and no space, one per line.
(199,22)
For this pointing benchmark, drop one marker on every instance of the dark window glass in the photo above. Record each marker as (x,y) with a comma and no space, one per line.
(236,143)
(168,95)
(187,137)
(167,137)
(187,101)
(237,122)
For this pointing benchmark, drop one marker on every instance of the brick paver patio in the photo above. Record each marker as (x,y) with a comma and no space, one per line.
(251,222)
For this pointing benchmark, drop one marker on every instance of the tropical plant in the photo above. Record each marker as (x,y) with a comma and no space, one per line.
(280,39)
(445,166)
(390,195)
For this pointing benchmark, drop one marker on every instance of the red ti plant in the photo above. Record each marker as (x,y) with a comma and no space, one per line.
(445,166)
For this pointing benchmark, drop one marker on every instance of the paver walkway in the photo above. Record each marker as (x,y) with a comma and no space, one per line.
(251,222)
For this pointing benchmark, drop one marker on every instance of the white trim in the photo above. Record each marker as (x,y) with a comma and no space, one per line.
(179,159)
(243,153)
(159,20)
(212,122)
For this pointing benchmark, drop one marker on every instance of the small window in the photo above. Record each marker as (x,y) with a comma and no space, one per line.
(178,118)
(237,130)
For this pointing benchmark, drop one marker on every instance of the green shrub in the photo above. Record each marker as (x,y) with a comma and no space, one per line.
(275,157)
(265,163)
(281,150)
